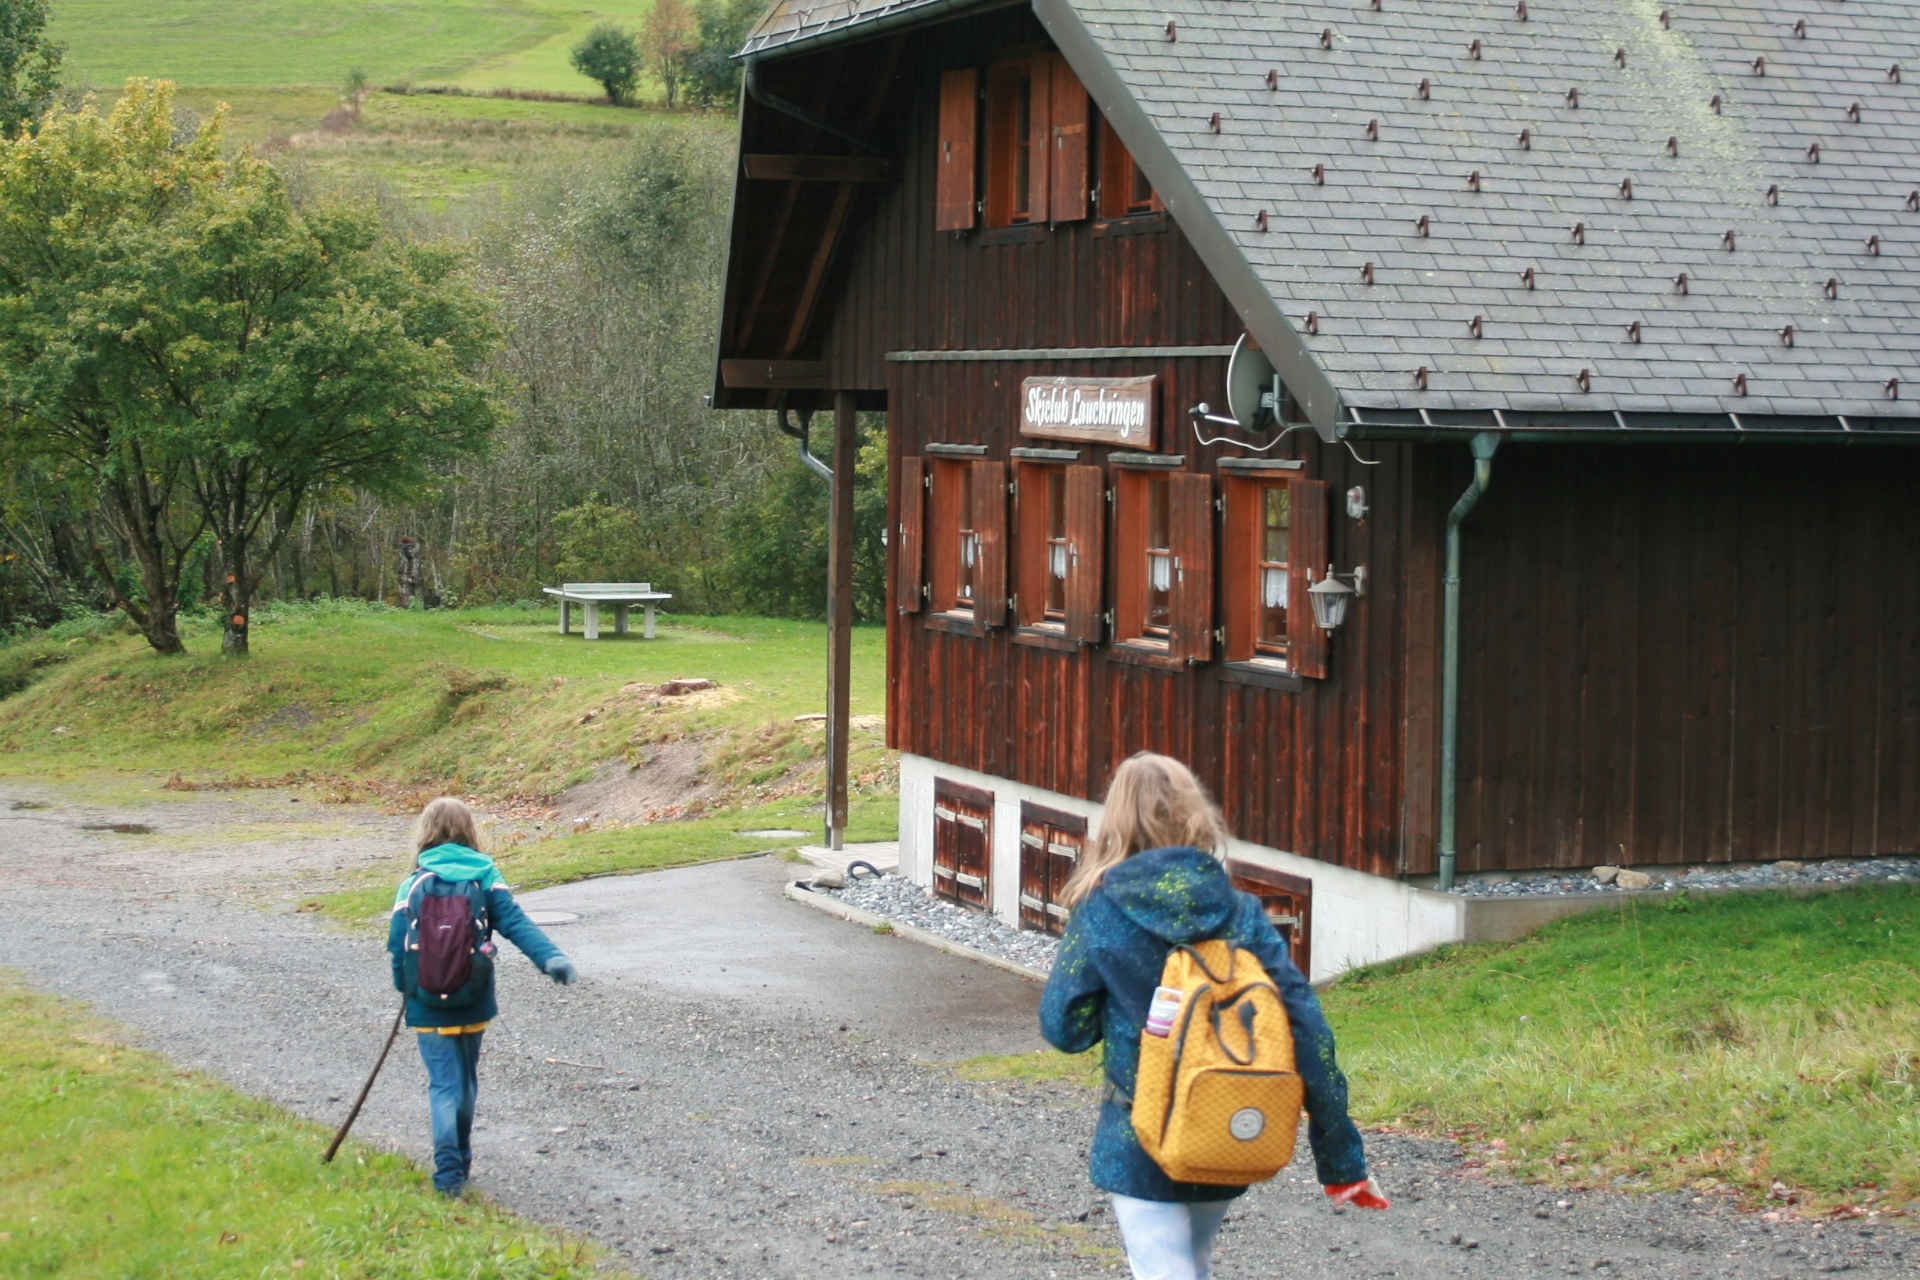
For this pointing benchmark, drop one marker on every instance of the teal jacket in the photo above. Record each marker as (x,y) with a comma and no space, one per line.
(458,863)
(1103,978)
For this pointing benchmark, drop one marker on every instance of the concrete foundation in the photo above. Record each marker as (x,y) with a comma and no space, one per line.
(1357,918)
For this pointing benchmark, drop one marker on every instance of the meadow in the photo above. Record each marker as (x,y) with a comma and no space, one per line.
(428,131)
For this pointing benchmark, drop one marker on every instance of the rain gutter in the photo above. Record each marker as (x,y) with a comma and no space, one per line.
(1483,445)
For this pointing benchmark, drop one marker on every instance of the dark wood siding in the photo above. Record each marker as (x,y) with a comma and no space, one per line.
(1683,655)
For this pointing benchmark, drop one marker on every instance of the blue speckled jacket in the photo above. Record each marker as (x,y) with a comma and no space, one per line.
(1103,978)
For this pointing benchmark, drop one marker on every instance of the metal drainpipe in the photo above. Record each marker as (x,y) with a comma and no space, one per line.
(1484,443)
(799,433)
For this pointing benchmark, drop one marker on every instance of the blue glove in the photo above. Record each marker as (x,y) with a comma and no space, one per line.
(560,969)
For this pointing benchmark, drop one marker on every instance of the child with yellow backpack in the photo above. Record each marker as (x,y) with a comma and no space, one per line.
(1204,1017)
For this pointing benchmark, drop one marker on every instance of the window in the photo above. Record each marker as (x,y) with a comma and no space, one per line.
(1011,193)
(1275,535)
(1060,519)
(1163,561)
(1027,151)
(1288,901)
(1050,847)
(962,843)
(1044,549)
(951,552)
(1124,189)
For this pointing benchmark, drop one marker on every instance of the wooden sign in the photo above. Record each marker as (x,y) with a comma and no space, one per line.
(1102,410)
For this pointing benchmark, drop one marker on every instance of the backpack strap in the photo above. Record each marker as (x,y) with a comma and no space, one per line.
(477,901)
(415,892)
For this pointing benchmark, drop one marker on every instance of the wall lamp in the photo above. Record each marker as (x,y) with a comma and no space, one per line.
(1330,596)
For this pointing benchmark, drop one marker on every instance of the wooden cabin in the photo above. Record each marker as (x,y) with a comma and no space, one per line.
(1614,308)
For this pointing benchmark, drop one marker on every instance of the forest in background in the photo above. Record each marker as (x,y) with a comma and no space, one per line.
(597,234)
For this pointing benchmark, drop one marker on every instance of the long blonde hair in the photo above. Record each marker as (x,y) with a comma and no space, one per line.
(1153,802)
(445,820)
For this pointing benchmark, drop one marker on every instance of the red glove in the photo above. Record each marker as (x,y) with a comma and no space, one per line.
(1361,1195)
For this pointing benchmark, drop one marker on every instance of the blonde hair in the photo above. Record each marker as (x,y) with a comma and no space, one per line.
(445,821)
(1153,802)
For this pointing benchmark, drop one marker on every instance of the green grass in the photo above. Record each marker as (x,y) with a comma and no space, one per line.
(517,44)
(282,66)
(1717,1047)
(490,702)
(115,1163)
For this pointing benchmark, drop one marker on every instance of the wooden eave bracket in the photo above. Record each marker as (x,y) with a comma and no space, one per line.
(774,375)
(770,167)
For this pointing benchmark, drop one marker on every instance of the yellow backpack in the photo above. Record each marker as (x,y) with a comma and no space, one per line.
(1217,1099)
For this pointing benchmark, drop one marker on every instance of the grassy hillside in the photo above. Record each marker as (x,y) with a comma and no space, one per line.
(486,44)
(487,701)
(280,68)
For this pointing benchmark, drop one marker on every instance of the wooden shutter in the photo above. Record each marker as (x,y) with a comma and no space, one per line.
(990,527)
(1306,642)
(962,843)
(1029,550)
(1067,158)
(1288,902)
(1086,544)
(1039,133)
(1190,508)
(1240,567)
(1050,845)
(953,201)
(908,593)
(1130,498)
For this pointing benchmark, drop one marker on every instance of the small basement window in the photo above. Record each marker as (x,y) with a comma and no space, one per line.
(962,843)
(1288,901)
(1050,846)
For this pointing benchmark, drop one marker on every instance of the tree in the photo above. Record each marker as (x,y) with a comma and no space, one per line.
(611,56)
(713,77)
(175,333)
(668,41)
(29,65)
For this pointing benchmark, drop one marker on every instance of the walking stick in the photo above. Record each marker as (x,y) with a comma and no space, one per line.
(366,1088)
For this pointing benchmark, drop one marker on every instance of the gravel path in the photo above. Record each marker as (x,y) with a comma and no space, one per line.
(702,1136)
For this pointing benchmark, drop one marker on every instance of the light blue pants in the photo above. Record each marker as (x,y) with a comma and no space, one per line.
(1168,1241)
(453,1082)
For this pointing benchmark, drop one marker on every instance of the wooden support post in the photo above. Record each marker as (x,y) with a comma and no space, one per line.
(839,616)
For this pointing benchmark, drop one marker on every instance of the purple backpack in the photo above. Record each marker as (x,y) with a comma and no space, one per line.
(449,942)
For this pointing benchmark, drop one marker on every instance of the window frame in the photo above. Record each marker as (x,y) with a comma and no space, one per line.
(1242,551)
(1186,636)
(1119,172)
(1042,599)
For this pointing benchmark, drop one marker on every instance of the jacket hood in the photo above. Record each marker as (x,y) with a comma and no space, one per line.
(453,862)
(1176,895)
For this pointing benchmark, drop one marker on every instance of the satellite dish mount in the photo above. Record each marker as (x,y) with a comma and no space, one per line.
(1254,397)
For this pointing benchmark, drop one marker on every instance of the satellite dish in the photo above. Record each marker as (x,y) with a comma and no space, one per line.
(1253,392)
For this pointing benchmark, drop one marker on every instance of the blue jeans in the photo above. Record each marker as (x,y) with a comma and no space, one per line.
(453,1082)
(1168,1241)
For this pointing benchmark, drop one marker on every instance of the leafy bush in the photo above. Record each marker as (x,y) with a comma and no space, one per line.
(612,57)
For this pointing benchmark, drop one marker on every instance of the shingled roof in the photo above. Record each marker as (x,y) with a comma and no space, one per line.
(1556,205)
